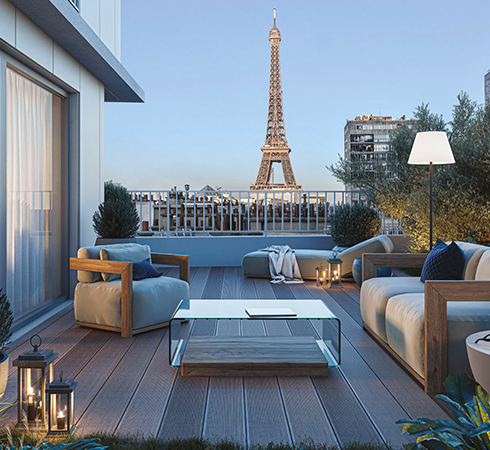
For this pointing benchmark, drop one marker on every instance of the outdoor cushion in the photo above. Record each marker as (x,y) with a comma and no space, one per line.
(154,301)
(472,253)
(123,252)
(143,270)
(444,262)
(483,269)
(405,330)
(84,276)
(375,294)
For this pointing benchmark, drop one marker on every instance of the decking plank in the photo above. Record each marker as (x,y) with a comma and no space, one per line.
(215,283)
(198,283)
(184,416)
(247,288)
(230,283)
(266,418)
(145,411)
(264,289)
(345,413)
(96,373)
(135,363)
(306,415)
(347,303)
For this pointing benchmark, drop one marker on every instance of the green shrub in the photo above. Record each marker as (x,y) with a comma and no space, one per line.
(6,319)
(117,216)
(354,224)
(469,405)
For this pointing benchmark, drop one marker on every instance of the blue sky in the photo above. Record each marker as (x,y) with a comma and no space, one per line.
(204,66)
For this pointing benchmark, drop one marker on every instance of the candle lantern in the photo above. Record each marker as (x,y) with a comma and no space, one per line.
(335,278)
(61,404)
(321,275)
(35,370)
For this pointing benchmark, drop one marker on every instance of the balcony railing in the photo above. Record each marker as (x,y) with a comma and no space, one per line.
(194,213)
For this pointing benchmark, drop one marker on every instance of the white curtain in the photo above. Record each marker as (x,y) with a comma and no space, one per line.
(33,237)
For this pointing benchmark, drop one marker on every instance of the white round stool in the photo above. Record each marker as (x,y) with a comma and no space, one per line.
(479,357)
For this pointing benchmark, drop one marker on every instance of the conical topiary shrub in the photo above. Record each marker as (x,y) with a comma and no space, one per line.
(117,216)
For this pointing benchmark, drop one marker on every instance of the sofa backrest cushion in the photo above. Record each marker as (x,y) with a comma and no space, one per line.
(378,244)
(123,252)
(483,269)
(85,276)
(472,253)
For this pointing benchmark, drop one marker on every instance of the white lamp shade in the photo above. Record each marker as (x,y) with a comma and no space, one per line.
(431,147)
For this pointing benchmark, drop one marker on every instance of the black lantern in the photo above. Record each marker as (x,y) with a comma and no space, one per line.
(61,406)
(321,275)
(35,370)
(335,278)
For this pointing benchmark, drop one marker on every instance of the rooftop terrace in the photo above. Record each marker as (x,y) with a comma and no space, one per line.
(127,385)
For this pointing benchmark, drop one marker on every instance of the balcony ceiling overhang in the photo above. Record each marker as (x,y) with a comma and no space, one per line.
(62,22)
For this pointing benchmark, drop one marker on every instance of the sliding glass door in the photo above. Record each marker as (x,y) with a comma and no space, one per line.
(35,193)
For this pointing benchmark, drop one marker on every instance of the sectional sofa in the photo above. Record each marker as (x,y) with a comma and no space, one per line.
(424,325)
(256,264)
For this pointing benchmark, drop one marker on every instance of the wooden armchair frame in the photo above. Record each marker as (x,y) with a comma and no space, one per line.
(437,295)
(125,269)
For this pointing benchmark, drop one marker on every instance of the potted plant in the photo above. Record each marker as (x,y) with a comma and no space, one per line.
(6,319)
(117,217)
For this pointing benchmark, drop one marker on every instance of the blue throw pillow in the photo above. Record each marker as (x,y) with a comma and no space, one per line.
(444,262)
(143,270)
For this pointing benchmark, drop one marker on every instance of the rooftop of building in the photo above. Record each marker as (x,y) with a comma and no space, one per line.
(369,117)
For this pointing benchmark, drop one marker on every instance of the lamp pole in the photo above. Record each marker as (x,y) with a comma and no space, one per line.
(430,203)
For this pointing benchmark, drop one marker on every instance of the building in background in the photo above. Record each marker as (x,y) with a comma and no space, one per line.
(59,64)
(487,89)
(367,142)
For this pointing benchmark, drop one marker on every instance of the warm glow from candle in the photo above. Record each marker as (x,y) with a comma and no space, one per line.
(60,414)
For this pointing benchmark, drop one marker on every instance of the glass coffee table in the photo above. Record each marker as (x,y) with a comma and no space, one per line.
(308,354)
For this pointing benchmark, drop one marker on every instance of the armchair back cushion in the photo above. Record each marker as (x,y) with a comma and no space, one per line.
(123,252)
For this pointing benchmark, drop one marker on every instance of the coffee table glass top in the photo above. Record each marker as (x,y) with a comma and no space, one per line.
(236,309)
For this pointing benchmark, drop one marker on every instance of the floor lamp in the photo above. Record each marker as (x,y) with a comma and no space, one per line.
(429,148)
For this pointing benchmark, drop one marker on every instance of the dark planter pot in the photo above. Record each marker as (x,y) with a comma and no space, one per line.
(107,241)
(357,271)
(4,372)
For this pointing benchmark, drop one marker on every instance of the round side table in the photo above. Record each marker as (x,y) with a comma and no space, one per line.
(479,357)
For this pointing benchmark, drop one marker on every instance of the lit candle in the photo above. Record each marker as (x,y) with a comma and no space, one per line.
(39,414)
(60,421)
(31,405)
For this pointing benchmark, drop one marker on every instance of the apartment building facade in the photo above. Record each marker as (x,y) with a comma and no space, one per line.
(59,64)
(367,142)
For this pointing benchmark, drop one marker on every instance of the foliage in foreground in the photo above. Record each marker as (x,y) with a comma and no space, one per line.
(6,319)
(354,224)
(461,190)
(134,442)
(117,216)
(469,405)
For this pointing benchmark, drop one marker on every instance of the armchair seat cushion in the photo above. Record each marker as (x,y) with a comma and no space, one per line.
(154,301)
(375,294)
(405,330)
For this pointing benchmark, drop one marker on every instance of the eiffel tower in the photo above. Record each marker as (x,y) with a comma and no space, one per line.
(276,148)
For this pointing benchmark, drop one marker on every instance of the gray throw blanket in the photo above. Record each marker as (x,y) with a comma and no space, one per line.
(283,266)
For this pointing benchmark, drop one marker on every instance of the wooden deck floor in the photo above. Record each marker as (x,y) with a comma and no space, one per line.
(127,385)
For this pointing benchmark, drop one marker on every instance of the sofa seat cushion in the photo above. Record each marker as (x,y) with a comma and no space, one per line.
(405,330)
(154,301)
(123,252)
(256,264)
(375,294)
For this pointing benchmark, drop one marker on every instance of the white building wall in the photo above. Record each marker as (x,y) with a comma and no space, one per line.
(20,33)
(104,17)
